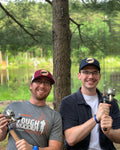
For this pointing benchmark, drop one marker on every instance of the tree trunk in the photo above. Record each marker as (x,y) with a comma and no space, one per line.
(61,51)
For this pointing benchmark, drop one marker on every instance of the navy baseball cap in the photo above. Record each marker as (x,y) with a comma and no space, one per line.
(89,61)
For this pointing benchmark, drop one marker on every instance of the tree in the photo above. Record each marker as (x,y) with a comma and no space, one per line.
(88,38)
(61,50)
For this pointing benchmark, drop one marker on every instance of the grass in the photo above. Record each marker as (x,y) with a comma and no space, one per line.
(3,144)
(20,93)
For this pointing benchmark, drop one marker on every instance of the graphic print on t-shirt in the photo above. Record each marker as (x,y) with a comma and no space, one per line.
(33,125)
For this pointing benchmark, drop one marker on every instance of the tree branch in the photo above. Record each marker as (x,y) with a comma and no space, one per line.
(49,2)
(78,25)
(8,14)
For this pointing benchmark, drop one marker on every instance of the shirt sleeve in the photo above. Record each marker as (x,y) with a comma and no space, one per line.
(115,114)
(68,112)
(56,133)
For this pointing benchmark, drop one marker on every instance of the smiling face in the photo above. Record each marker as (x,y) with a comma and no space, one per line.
(89,77)
(40,89)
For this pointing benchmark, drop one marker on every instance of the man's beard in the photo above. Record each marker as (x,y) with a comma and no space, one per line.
(41,98)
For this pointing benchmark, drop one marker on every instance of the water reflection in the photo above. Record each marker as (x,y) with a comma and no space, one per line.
(23,75)
(4,76)
(13,78)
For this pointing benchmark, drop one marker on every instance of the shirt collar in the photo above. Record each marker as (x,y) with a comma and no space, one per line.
(80,98)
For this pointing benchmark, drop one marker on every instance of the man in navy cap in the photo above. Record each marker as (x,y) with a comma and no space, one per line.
(88,123)
(40,126)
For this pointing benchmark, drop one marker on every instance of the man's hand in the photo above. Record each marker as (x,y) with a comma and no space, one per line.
(103,109)
(106,122)
(23,145)
(3,122)
(3,127)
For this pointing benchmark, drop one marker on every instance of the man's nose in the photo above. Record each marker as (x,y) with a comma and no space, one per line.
(90,74)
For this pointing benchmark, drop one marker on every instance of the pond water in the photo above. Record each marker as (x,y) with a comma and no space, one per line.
(13,79)
(19,75)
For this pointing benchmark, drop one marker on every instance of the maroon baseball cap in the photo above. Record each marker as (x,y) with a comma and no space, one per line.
(43,73)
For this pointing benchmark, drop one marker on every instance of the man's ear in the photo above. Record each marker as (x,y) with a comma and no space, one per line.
(99,76)
(30,86)
(50,87)
(79,76)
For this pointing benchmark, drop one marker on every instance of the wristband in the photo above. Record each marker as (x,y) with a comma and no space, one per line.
(35,148)
(96,119)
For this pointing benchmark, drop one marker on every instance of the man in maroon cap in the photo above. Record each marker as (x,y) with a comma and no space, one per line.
(40,125)
(40,86)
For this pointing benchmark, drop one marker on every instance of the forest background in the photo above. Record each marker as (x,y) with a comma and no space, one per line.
(95,32)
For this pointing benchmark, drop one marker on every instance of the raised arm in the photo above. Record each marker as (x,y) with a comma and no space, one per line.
(78,133)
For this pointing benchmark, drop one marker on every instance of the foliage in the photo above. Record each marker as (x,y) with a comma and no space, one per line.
(99,28)
(35,18)
(95,34)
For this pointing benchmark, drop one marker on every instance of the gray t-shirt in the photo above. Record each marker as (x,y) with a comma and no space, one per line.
(38,125)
